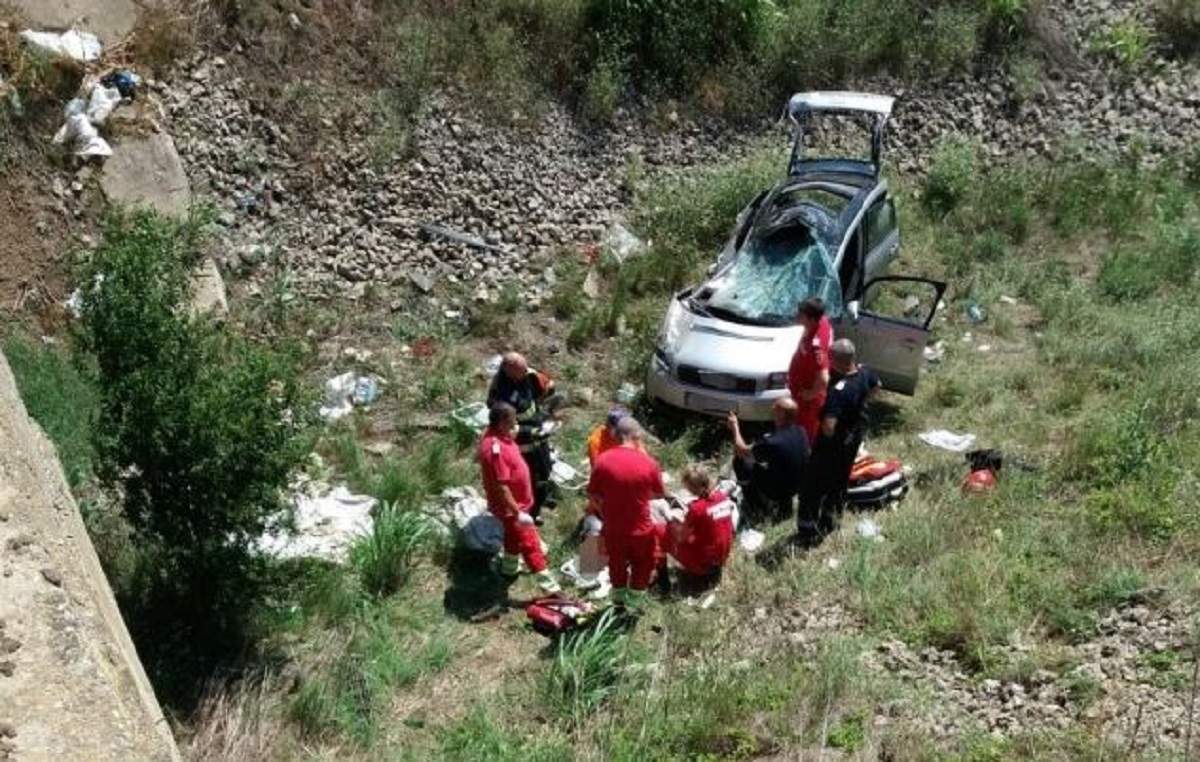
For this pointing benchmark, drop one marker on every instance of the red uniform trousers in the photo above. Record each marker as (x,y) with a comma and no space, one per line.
(808,416)
(523,540)
(631,559)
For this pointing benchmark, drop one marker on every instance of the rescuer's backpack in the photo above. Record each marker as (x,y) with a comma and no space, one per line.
(558,614)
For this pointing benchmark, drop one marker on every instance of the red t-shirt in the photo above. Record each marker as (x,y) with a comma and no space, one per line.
(502,465)
(811,357)
(708,527)
(625,480)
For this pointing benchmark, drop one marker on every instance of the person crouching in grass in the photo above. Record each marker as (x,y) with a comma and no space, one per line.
(700,539)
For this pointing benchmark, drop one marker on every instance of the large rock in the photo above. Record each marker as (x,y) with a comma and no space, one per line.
(110,20)
(208,290)
(71,685)
(147,171)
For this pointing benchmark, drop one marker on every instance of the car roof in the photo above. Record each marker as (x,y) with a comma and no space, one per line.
(834,201)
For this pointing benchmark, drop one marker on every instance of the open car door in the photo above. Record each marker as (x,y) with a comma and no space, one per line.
(889,325)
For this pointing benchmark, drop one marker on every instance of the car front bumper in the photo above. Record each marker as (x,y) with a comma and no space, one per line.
(663,387)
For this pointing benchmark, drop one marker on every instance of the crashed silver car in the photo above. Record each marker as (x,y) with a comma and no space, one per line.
(828,229)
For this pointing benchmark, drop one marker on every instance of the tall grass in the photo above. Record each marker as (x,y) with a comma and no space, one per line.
(61,399)
(384,559)
(586,668)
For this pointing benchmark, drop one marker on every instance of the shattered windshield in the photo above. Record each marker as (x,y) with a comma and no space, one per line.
(771,276)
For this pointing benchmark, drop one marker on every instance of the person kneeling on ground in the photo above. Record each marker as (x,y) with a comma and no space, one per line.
(700,540)
(509,490)
(770,470)
(843,427)
(624,481)
(532,394)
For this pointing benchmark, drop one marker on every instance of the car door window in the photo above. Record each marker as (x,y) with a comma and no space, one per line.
(881,221)
(850,269)
(905,300)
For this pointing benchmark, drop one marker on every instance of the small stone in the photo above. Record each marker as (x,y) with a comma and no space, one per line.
(7,730)
(7,668)
(52,576)
(382,449)
(9,645)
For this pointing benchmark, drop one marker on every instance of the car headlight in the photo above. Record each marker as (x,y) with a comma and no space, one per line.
(777,380)
(677,321)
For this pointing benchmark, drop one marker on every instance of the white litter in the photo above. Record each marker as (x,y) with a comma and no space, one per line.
(947,440)
(984,348)
(492,366)
(869,530)
(102,103)
(1008,300)
(567,476)
(81,46)
(833,564)
(627,393)
(935,352)
(344,392)
(327,522)
(463,510)
(473,415)
(622,243)
(751,540)
(79,133)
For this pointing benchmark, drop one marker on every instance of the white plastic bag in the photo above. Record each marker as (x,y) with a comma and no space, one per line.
(82,136)
(102,103)
(81,46)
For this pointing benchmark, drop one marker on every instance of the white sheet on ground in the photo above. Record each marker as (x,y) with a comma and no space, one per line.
(947,440)
(327,522)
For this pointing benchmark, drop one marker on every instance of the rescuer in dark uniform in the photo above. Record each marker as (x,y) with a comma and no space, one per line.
(531,393)
(843,426)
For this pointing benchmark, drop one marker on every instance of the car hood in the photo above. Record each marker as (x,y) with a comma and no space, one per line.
(725,347)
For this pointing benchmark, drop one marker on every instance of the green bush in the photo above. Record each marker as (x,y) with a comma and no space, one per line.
(602,91)
(669,43)
(1127,43)
(199,429)
(384,560)
(952,172)
(952,40)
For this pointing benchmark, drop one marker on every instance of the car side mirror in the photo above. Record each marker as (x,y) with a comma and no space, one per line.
(852,311)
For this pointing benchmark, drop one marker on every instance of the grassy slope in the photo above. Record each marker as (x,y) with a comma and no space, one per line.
(1090,376)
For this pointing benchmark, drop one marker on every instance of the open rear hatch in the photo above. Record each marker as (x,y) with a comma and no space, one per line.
(803,108)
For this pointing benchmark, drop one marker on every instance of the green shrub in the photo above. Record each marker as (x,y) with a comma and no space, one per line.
(948,182)
(951,39)
(198,427)
(1178,23)
(61,399)
(602,91)
(384,560)
(1025,75)
(478,736)
(670,42)
(1127,43)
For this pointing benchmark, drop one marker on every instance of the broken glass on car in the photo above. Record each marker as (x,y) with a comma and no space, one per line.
(769,278)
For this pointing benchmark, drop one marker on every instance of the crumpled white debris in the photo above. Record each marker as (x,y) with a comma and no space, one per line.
(869,530)
(462,509)
(621,242)
(751,540)
(81,46)
(947,440)
(344,392)
(473,415)
(327,522)
(82,136)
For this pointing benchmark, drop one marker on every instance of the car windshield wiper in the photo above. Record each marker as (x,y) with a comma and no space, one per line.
(733,317)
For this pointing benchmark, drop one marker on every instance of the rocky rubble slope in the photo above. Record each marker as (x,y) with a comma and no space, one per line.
(1131,681)
(346,221)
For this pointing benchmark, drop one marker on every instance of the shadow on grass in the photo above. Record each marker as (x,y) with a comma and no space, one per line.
(883,417)
(475,590)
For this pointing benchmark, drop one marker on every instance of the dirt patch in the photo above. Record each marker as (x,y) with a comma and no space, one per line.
(34,243)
